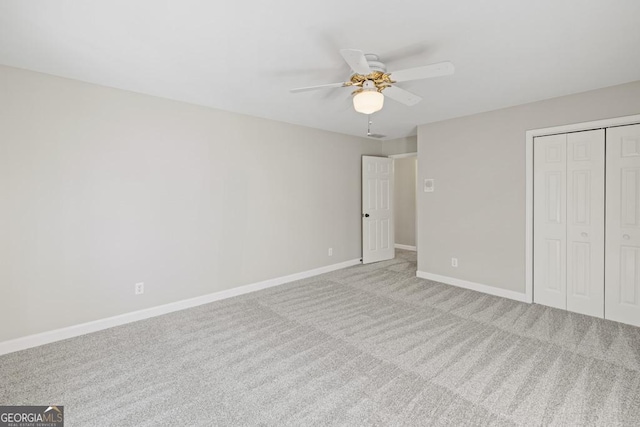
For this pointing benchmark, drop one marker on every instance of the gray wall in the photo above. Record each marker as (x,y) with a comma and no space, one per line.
(404,188)
(404,145)
(477,212)
(405,200)
(102,188)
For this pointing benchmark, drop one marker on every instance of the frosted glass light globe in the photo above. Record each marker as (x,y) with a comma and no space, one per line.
(368,101)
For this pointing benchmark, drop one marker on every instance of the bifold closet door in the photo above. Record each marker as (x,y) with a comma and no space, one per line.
(585,222)
(550,221)
(623,225)
(569,221)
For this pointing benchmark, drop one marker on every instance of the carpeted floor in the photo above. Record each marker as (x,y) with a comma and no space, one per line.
(367,345)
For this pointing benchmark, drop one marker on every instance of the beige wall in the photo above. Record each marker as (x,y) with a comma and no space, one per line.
(477,212)
(102,188)
(405,200)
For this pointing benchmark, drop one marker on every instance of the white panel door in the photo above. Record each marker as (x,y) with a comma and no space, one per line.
(550,221)
(378,240)
(585,222)
(622,279)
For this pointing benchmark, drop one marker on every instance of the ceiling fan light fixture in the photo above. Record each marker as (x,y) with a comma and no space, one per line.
(368,101)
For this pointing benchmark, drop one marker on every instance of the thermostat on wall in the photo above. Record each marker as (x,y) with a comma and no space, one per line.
(429,185)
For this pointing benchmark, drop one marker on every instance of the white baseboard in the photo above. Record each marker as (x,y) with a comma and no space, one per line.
(405,247)
(98,325)
(491,290)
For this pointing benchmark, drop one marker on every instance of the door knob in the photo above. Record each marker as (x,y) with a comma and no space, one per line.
(626,236)
(366,215)
(583,234)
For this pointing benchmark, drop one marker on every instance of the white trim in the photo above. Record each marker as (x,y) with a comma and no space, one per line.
(528,219)
(486,289)
(402,156)
(98,325)
(405,247)
(530,135)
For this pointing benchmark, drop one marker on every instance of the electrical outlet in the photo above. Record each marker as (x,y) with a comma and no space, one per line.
(139,288)
(454,262)
(330,251)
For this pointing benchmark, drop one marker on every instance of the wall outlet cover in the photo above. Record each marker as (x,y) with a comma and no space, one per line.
(139,288)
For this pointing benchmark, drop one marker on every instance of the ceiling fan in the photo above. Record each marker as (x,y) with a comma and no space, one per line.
(371,78)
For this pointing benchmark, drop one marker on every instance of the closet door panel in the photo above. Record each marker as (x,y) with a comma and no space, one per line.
(550,221)
(585,222)
(622,277)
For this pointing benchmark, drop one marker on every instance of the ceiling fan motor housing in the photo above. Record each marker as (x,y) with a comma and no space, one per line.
(374,63)
(369,85)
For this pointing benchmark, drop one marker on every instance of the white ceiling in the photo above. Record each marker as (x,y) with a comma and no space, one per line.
(244,56)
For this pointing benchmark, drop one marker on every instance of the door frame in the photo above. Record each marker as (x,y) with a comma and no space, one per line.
(404,156)
(530,135)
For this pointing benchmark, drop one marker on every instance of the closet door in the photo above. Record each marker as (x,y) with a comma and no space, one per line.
(550,221)
(568,263)
(585,222)
(623,225)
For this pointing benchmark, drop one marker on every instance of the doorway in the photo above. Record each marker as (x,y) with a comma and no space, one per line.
(389,209)
(405,183)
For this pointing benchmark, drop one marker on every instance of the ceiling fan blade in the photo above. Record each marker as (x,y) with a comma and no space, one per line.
(401,95)
(306,89)
(428,71)
(356,60)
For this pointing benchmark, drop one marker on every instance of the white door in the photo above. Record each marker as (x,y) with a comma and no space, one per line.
(569,221)
(585,222)
(378,241)
(623,225)
(550,221)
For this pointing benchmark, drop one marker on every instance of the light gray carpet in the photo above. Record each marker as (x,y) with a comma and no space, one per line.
(368,345)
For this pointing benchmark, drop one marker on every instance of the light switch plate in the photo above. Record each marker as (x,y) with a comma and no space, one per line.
(429,185)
